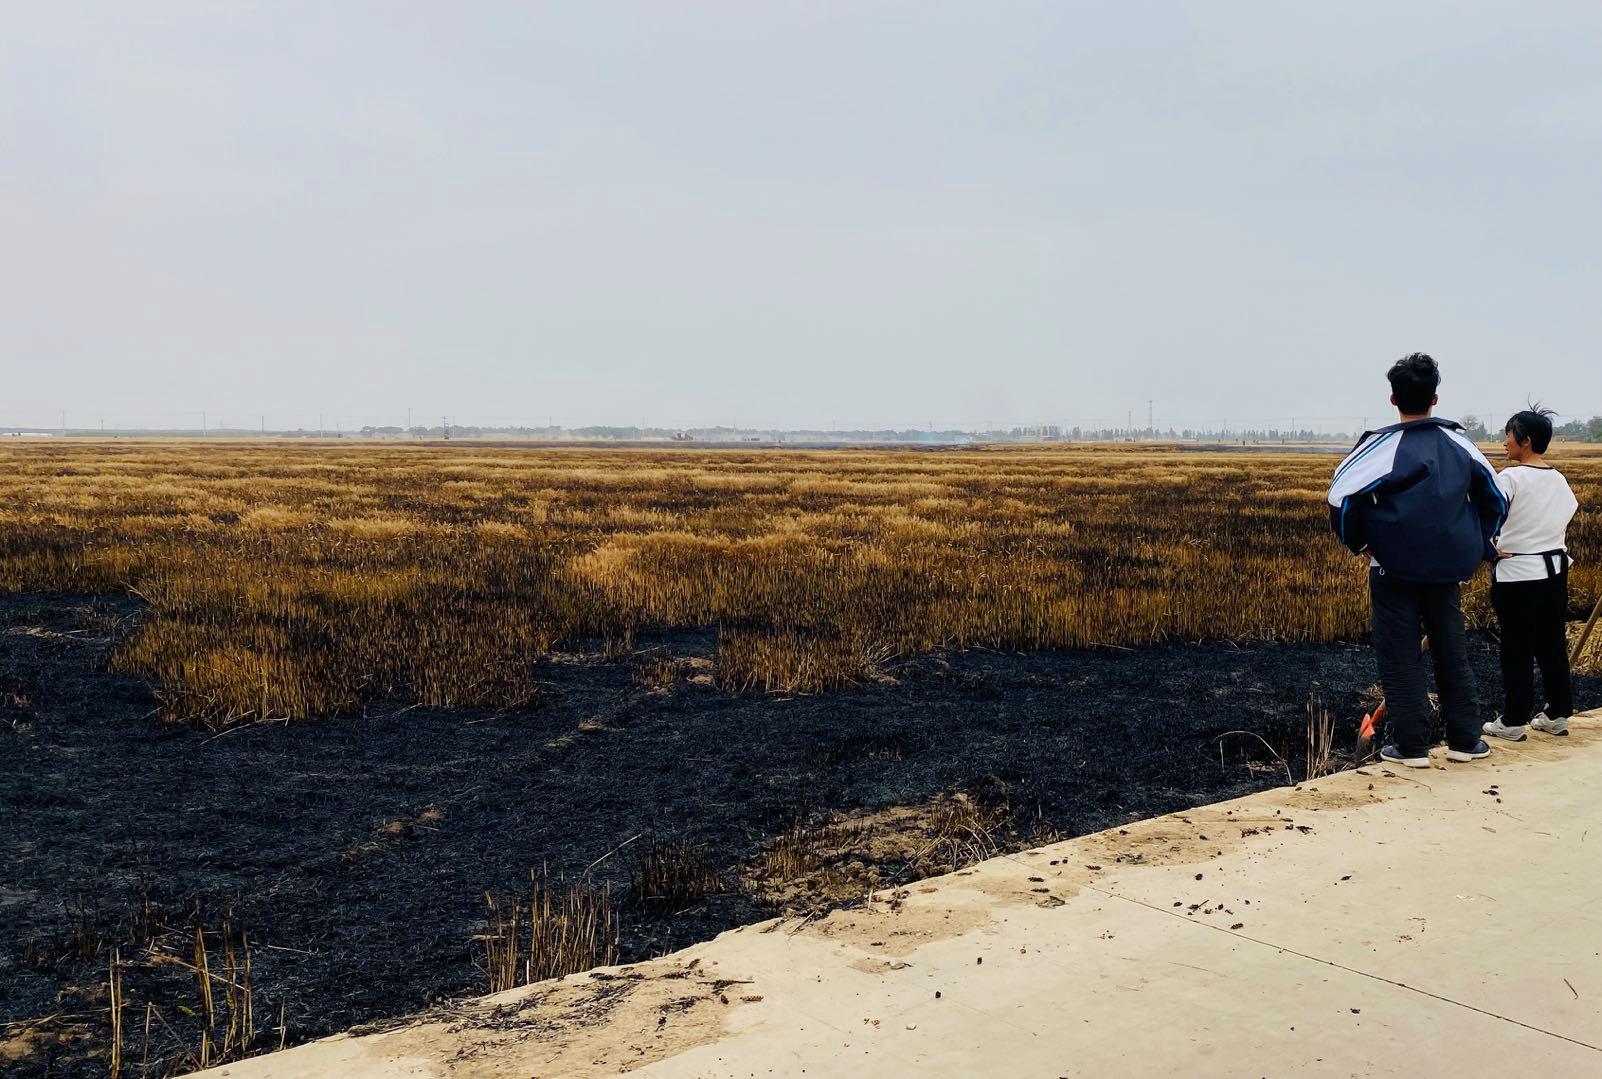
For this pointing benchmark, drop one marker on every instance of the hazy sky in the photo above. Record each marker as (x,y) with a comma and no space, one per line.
(788,214)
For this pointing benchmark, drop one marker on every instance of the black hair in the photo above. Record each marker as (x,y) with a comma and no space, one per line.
(1533,425)
(1414,379)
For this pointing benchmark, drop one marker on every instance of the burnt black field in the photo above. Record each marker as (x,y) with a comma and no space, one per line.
(360,904)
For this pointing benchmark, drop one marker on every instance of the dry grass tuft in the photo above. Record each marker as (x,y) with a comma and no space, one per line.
(1588,662)
(565,929)
(194,1006)
(1320,739)
(817,864)
(669,875)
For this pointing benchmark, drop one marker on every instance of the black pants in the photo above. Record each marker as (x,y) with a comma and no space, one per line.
(1404,611)
(1534,617)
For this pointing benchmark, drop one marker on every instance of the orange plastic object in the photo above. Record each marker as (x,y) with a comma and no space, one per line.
(1370,721)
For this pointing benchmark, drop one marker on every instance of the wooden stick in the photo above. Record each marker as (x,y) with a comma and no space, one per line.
(1585,634)
(115,990)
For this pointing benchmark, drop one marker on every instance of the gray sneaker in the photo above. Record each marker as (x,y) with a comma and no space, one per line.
(1497,729)
(1559,727)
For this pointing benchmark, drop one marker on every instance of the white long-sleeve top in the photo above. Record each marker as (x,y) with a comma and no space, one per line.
(1540,506)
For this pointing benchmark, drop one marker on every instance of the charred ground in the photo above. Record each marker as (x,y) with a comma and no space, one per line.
(356,851)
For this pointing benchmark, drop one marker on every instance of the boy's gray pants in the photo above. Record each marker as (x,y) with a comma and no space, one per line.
(1402,612)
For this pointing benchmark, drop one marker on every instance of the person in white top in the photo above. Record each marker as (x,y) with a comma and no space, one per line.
(1530,581)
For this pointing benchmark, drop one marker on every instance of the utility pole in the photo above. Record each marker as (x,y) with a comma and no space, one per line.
(264,426)
(445,425)
(1150,430)
(319,425)
(408,421)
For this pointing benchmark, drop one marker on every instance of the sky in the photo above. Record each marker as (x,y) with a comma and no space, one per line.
(795,214)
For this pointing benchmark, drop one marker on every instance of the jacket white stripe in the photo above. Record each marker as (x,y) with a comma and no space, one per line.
(1372,460)
(1479,459)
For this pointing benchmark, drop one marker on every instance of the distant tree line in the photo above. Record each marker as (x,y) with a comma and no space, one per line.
(1578,430)
(1582,430)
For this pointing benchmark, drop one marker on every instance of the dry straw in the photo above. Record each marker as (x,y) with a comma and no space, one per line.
(565,929)
(285,581)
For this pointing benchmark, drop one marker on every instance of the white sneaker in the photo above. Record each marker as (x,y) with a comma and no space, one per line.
(1559,727)
(1497,729)
(1481,750)
(1392,755)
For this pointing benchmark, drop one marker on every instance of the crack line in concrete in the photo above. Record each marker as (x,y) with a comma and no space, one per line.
(1350,970)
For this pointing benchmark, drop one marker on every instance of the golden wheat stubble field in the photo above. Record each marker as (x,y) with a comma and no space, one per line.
(297,580)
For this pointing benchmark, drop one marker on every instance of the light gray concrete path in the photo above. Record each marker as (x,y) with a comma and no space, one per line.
(1382,922)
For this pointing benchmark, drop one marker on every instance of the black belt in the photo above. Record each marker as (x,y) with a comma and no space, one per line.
(1557,562)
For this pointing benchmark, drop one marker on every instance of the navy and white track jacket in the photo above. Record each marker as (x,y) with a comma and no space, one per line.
(1420,498)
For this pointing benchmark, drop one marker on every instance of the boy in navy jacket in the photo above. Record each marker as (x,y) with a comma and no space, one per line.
(1421,500)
